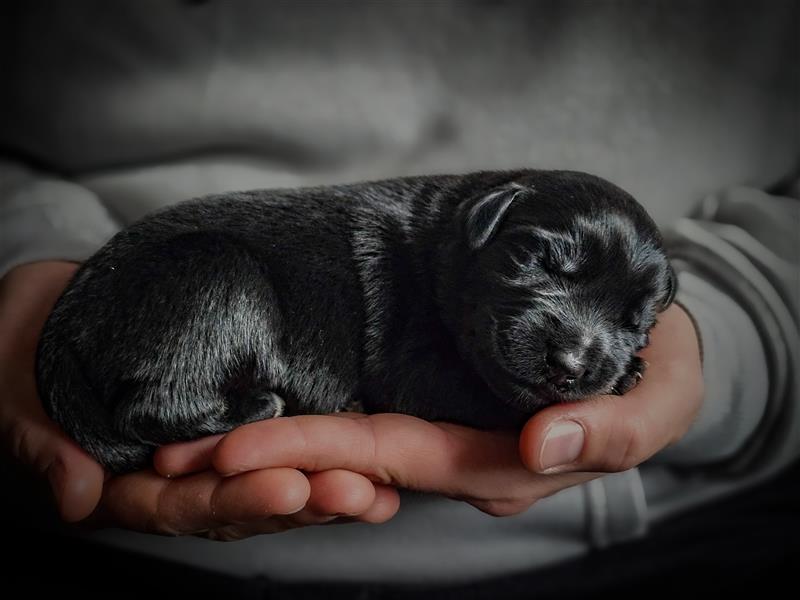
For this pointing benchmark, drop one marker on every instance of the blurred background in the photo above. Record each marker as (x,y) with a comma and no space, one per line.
(153,101)
(144,103)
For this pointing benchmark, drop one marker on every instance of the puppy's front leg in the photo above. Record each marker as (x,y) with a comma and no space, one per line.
(633,375)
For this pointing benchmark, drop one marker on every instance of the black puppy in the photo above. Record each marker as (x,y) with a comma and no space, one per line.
(476,299)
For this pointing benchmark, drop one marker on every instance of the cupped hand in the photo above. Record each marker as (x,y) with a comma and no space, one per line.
(500,473)
(204,503)
(264,501)
(27,295)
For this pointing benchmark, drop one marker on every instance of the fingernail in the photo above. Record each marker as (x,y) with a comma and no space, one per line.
(296,510)
(562,445)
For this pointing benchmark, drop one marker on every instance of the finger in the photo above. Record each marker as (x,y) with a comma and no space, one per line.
(75,478)
(384,506)
(258,494)
(388,448)
(339,493)
(145,501)
(616,433)
(335,493)
(175,460)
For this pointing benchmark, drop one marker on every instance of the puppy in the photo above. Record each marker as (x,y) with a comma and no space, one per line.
(475,299)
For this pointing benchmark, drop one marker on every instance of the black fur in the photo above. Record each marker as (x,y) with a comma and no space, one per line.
(474,299)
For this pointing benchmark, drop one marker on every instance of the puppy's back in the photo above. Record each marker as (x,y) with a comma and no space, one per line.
(172,341)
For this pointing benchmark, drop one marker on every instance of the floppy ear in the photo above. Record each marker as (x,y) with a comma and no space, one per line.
(486,213)
(672,288)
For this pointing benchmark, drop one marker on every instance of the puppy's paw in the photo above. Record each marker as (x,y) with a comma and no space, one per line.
(633,375)
(278,404)
(265,405)
(355,405)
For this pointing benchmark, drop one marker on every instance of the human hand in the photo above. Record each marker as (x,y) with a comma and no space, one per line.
(498,472)
(27,295)
(204,503)
(231,508)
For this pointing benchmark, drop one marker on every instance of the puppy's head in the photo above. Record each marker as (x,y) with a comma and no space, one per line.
(564,278)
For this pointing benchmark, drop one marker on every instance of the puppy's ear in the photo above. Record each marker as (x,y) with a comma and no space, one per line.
(483,218)
(672,288)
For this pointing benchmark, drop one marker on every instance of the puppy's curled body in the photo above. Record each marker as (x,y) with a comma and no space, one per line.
(444,297)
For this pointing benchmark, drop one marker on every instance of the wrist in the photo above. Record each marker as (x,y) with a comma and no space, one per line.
(735,378)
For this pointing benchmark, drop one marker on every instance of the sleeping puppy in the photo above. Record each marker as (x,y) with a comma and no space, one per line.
(475,299)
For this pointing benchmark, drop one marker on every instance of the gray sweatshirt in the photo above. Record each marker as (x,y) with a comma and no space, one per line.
(110,115)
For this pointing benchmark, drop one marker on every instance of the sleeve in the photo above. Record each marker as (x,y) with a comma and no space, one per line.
(43,217)
(737,263)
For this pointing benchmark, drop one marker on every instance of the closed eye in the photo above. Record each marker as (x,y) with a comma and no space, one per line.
(561,261)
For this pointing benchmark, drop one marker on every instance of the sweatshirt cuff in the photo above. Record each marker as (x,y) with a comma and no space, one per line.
(735,375)
(730,296)
(50,219)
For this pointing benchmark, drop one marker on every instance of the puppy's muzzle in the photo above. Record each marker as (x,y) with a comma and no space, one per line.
(565,367)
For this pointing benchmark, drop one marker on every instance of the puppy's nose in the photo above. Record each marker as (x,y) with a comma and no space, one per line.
(565,367)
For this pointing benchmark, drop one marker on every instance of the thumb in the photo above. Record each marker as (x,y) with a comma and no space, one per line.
(596,436)
(75,478)
(616,433)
